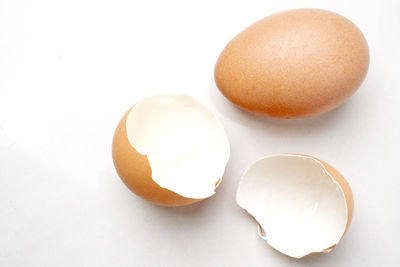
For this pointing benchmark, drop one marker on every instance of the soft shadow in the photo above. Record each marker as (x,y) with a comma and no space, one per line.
(180,223)
(311,260)
(188,210)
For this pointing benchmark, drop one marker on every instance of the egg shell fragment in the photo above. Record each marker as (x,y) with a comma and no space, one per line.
(175,138)
(302,204)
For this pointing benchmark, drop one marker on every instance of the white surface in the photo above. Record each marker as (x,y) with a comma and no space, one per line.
(70,69)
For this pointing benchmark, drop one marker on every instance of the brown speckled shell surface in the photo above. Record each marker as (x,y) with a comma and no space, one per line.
(293,64)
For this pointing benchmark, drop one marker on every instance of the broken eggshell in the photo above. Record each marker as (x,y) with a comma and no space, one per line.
(302,204)
(170,150)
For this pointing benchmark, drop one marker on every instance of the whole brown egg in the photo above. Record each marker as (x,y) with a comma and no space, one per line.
(293,64)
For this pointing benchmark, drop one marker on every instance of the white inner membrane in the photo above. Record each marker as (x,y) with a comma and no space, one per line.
(186,146)
(297,203)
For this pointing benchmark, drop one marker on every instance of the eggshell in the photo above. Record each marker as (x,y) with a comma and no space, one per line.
(293,64)
(303,203)
(344,185)
(136,169)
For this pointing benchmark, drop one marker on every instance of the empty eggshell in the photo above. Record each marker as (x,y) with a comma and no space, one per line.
(293,64)
(170,150)
(302,204)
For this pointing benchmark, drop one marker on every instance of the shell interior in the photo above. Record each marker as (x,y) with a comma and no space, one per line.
(299,206)
(186,146)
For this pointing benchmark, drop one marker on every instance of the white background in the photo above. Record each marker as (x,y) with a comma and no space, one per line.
(70,69)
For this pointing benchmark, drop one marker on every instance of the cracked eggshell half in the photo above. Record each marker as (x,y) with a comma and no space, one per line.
(170,150)
(302,204)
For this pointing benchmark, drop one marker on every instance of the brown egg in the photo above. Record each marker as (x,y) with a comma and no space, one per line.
(170,150)
(293,64)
